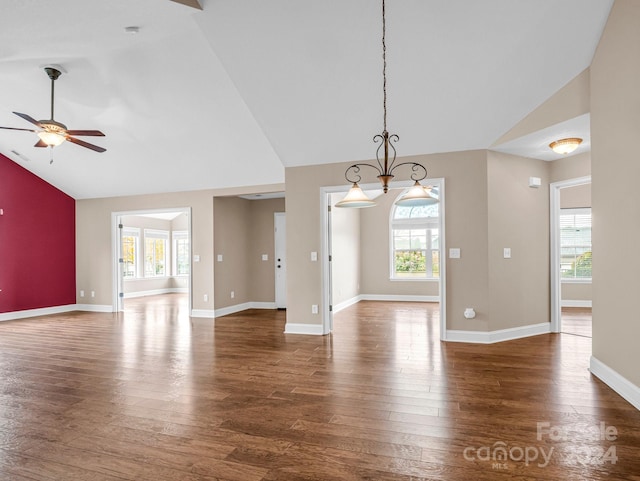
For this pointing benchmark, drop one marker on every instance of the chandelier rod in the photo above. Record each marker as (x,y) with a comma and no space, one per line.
(384,68)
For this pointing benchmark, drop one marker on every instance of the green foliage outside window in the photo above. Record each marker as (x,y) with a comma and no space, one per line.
(410,261)
(580,268)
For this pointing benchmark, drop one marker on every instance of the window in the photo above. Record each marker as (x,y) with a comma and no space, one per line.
(130,242)
(575,243)
(180,253)
(415,242)
(155,253)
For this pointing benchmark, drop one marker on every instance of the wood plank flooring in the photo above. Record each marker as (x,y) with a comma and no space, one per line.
(576,321)
(154,395)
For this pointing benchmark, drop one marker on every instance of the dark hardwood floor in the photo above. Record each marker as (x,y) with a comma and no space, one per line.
(154,395)
(576,321)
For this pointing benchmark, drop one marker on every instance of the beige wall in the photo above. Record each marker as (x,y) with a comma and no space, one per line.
(345,250)
(231,233)
(375,254)
(615,123)
(518,219)
(575,197)
(567,103)
(572,167)
(262,273)
(466,228)
(243,232)
(94,254)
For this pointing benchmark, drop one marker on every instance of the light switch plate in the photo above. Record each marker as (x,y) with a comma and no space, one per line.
(219,257)
(454,253)
(507,253)
(265,257)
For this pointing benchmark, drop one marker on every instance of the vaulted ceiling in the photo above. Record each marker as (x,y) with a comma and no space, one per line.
(232,94)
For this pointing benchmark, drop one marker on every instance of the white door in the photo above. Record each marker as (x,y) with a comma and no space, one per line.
(280,233)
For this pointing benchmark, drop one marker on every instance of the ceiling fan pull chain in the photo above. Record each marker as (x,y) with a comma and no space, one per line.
(51,151)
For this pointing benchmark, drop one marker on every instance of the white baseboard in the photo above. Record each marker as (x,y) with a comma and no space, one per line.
(490,337)
(93,307)
(398,298)
(263,305)
(205,313)
(156,292)
(344,304)
(576,303)
(225,311)
(43,311)
(383,297)
(308,329)
(615,381)
(46,311)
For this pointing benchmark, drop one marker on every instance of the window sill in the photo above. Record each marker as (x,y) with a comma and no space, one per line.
(575,281)
(413,279)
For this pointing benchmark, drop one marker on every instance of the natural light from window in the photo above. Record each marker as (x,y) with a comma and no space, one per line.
(415,242)
(575,244)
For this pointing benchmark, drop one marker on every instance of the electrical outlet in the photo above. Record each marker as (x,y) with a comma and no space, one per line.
(206,298)
(233,294)
(314,308)
(93,293)
(81,293)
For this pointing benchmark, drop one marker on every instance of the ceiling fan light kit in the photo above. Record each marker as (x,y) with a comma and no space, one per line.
(55,133)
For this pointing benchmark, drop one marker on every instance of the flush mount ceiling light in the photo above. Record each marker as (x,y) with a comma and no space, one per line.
(565,146)
(417,195)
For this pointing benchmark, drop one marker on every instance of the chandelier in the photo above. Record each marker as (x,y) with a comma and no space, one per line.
(386,158)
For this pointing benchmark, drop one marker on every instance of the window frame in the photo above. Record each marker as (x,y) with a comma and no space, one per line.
(574,211)
(176,236)
(135,233)
(429,224)
(156,235)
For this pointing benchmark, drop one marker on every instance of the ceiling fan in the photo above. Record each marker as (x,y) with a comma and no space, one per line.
(54,133)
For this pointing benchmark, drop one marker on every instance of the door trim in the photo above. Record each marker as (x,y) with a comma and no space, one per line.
(325,245)
(277,300)
(554,238)
(116,251)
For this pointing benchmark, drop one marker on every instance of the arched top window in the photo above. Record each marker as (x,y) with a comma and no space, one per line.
(415,242)
(416,212)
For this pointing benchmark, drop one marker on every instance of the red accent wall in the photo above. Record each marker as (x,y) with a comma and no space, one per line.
(37,241)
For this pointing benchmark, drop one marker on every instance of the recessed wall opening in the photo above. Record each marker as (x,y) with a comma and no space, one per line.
(383,253)
(571,254)
(152,259)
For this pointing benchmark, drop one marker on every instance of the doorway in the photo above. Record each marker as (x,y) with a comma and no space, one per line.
(351,286)
(560,266)
(151,255)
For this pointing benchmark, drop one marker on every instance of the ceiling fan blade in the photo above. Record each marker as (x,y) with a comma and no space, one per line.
(85,144)
(40,143)
(91,133)
(28,118)
(14,128)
